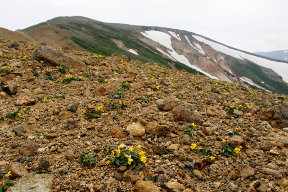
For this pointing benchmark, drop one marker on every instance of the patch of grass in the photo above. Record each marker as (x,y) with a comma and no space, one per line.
(87,160)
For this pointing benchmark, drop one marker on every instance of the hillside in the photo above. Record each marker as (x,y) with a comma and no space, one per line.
(79,121)
(280,55)
(169,47)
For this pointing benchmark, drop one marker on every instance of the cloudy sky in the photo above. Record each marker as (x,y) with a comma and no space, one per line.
(251,25)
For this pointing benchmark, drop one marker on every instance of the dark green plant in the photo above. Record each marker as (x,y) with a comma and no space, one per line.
(227,150)
(87,160)
(63,69)
(101,80)
(190,128)
(49,75)
(126,157)
(125,85)
(92,113)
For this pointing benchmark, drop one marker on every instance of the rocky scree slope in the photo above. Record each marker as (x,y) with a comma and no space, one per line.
(170,47)
(199,134)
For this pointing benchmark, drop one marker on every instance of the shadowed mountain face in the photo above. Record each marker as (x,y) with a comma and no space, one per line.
(170,47)
(280,55)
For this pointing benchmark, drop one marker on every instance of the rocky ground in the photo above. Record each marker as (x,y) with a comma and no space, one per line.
(198,134)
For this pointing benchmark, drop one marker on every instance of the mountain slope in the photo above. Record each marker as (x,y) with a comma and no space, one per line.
(169,47)
(280,55)
(60,124)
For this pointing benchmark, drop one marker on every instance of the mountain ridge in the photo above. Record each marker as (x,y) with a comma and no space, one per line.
(107,38)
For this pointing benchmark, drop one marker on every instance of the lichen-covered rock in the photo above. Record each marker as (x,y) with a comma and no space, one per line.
(56,57)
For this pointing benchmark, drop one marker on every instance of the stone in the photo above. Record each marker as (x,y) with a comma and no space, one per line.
(17,170)
(174,146)
(132,175)
(165,104)
(33,183)
(175,186)
(207,131)
(236,141)
(273,172)
(10,89)
(69,155)
(43,164)
(116,133)
(20,129)
(41,150)
(25,100)
(73,108)
(136,129)
(55,57)
(51,135)
(186,115)
(146,186)
(285,129)
(246,171)
(28,149)
(232,186)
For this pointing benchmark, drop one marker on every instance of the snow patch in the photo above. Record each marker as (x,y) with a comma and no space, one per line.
(165,40)
(175,35)
(198,47)
(133,51)
(165,53)
(279,67)
(286,51)
(249,81)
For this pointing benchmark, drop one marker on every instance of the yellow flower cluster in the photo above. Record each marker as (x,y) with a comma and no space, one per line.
(237,149)
(193,146)
(100,108)
(158,87)
(69,76)
(20,115)
(142,156)
(193,125)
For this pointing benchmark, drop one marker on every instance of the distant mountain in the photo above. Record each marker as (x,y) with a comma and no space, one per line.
(280,55)
(172,48)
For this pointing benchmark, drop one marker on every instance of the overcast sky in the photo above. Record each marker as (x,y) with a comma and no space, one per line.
(251,25)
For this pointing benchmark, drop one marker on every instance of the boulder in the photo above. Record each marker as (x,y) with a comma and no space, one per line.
(146,186)
(55,57)
(33,183)
(136,129)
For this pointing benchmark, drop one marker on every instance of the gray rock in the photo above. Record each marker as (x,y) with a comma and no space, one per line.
(56,58)
(246,171)
(33,183)
(20,129)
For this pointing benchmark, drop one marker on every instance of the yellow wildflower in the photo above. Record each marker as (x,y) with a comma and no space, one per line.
(113,153)
(7,175)
(193,146)
(143,159)
(100,108)
(158,87)
(45,100)
(237,150)
(142,153)
(104,100)
(118,151)
(193,125)
(120,102)
(130,160)
(137,148)
(20,115)
(232,106)
(1,53)
(212,158)
(237,129)
(69,76)
(224,140)
(41,61)
(107,162)
(81,77)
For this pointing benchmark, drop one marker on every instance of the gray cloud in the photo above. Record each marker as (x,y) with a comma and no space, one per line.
(252,25)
